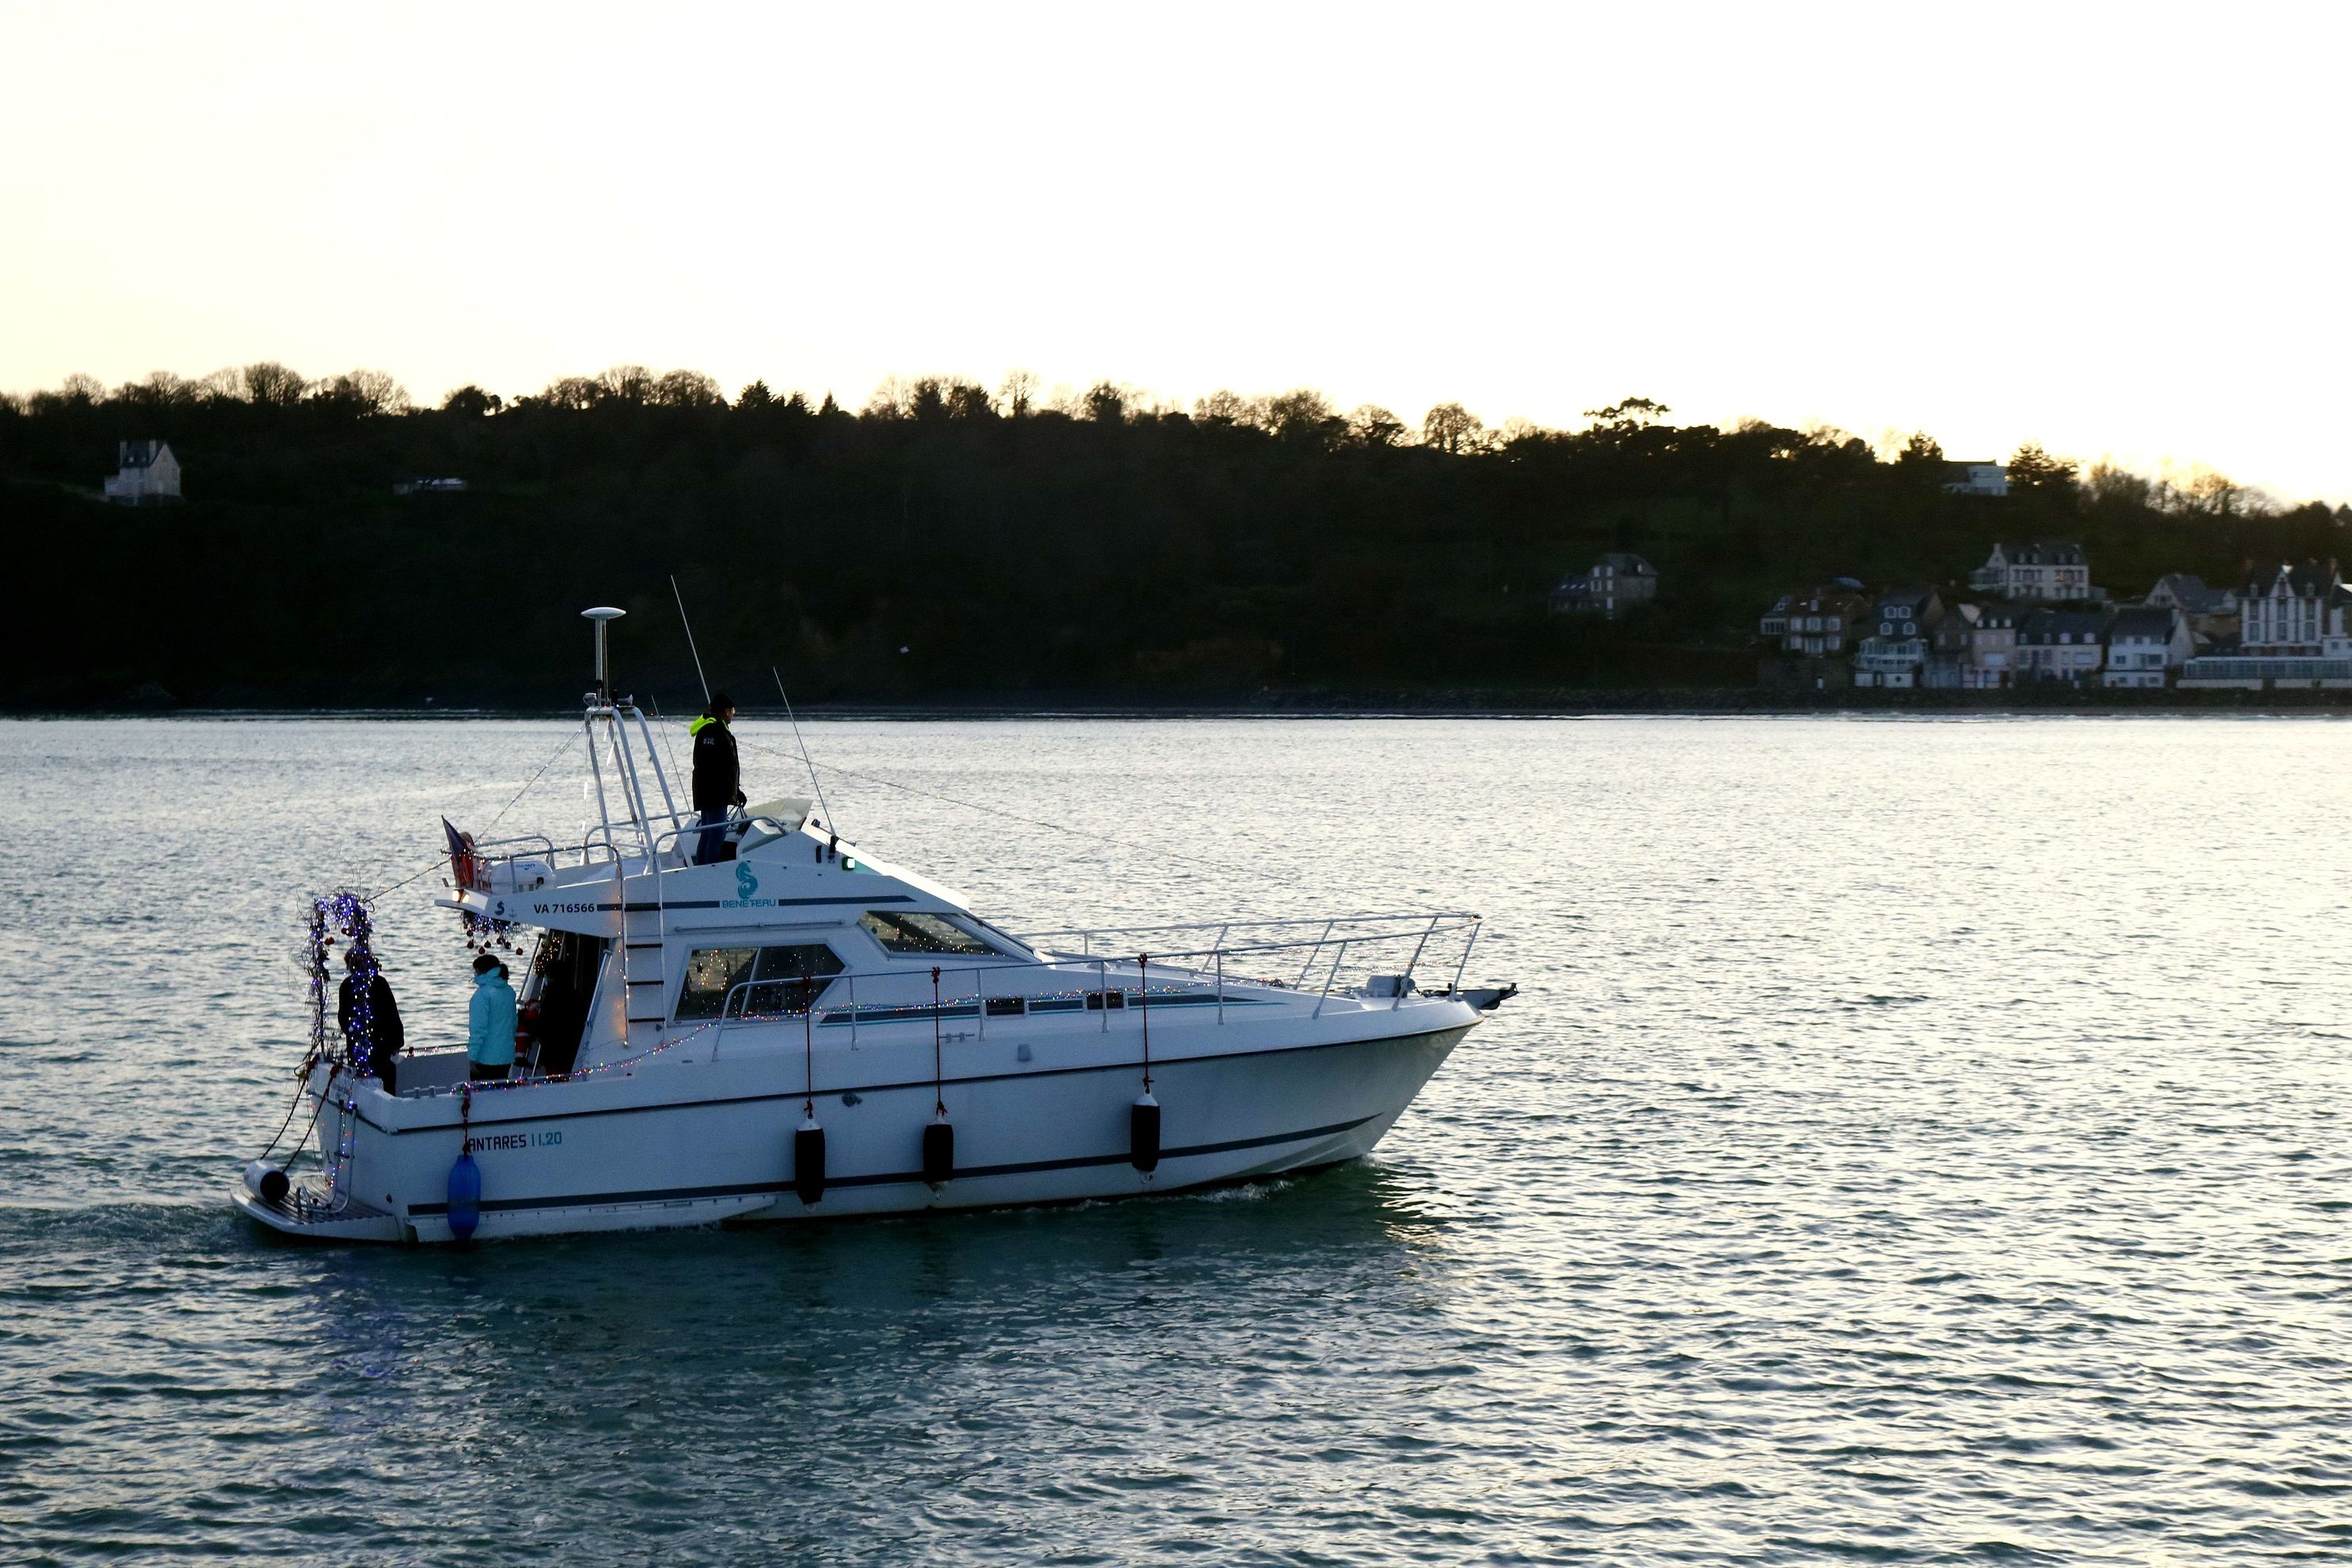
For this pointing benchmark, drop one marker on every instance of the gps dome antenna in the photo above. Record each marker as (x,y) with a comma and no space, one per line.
(689,639)
(602,615)
(832,826)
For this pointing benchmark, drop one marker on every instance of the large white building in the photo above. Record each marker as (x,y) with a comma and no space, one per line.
(145,471)
(2045,570)
(2292,632)
(2287,611)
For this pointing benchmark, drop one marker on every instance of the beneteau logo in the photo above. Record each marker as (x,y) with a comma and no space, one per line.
(747,885)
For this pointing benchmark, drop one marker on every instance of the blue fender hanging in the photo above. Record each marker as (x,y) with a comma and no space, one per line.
(465,1176)
(465,1197)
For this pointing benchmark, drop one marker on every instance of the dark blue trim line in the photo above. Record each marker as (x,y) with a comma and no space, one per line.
(887,1179)
(530,1118)
(877,1013)
(772,903)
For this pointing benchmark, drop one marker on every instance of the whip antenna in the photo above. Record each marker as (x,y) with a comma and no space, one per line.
(689,639)
(832,826)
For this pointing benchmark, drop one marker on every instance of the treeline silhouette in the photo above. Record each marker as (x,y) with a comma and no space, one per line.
(947,541)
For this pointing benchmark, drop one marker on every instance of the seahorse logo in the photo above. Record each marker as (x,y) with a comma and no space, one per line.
(746,883)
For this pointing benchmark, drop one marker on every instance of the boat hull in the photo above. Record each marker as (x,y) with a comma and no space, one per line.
(712,1141)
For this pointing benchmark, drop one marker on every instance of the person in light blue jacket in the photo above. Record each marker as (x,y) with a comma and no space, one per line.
(490,1023)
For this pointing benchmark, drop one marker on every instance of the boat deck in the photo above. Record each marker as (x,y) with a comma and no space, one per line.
(305,1211)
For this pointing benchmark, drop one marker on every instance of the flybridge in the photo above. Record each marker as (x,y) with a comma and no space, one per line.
(778,862)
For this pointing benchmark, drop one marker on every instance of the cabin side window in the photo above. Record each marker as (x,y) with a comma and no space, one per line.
(753,981)
(911,933)
(710,974)
(787,980)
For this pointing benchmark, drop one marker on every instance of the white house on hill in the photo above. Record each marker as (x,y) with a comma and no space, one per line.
(146,471)
(1970,479)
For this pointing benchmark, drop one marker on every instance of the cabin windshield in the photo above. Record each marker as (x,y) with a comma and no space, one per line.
(916,934)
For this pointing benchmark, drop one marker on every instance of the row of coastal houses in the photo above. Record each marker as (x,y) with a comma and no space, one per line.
(1620,579)
(2042,621)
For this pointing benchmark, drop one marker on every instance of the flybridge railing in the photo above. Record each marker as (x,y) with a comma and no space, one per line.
(1134,984)
(693,827)
(604,846)
(500,865)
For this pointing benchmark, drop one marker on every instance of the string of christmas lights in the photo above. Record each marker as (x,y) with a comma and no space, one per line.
(347,1132)
(826,1016)
(345,916)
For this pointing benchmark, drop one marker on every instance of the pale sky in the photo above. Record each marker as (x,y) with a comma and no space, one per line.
(2119,230)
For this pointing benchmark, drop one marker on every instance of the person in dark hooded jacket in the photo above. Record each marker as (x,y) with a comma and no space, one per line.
(717,775)
(377,1039)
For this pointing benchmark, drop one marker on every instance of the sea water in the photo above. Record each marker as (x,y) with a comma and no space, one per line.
(1913,1141)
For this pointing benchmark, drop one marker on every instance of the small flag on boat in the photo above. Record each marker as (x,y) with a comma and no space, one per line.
(464,864)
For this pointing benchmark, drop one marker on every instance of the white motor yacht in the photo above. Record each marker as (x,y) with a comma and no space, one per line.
(802,1030)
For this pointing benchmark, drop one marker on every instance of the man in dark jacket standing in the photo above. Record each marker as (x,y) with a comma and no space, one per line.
(375,1031)
(717,776)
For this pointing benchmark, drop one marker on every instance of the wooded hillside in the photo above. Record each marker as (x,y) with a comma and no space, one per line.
(949,543)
